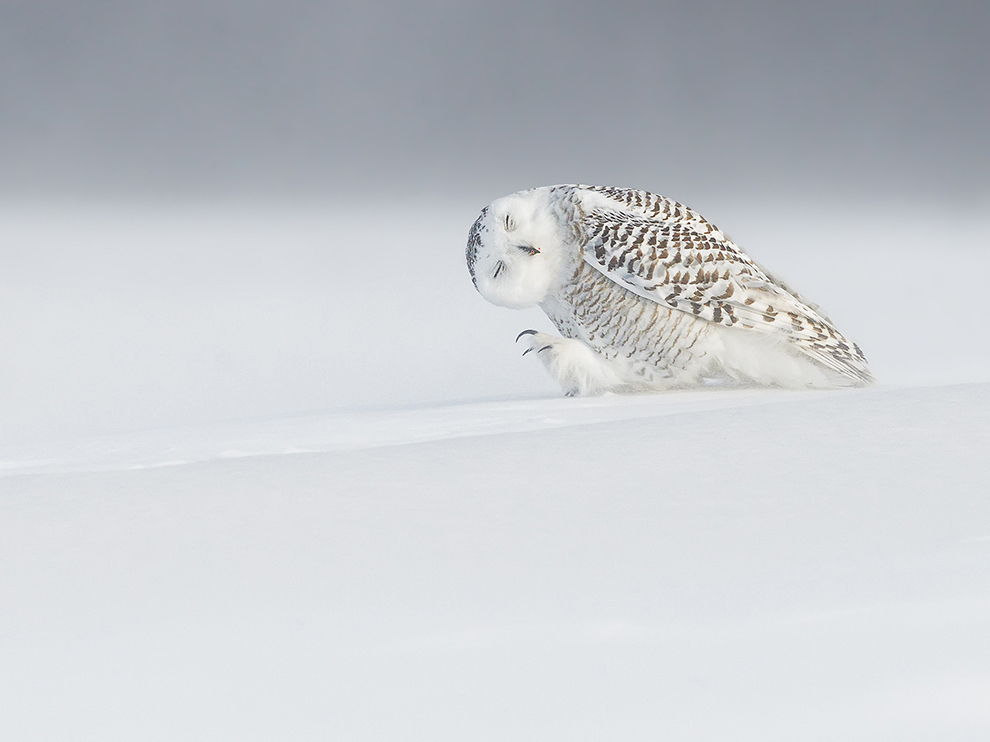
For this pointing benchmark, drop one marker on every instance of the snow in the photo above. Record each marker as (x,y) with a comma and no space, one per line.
(250,488)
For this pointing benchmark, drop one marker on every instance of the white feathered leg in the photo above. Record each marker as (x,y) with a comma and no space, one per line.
(576,366)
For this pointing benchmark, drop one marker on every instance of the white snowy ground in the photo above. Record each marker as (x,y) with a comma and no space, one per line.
(253,485)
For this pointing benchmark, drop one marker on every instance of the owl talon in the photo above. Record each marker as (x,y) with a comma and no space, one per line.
(525,332)
(545,347)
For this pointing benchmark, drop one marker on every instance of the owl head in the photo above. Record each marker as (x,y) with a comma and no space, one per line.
(514,250)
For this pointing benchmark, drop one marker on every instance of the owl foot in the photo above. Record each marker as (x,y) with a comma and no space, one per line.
(575,365)
(532,346)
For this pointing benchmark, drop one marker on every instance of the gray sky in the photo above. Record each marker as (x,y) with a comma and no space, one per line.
(293,97)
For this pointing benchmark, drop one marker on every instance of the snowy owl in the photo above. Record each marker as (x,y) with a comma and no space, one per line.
(648,295)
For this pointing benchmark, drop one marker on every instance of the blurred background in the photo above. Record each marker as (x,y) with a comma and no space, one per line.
(361,98)
(220,209)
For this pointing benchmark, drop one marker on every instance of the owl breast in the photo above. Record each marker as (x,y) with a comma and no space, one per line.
(654,342)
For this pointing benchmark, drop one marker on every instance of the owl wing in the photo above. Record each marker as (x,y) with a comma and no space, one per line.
(670,254)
